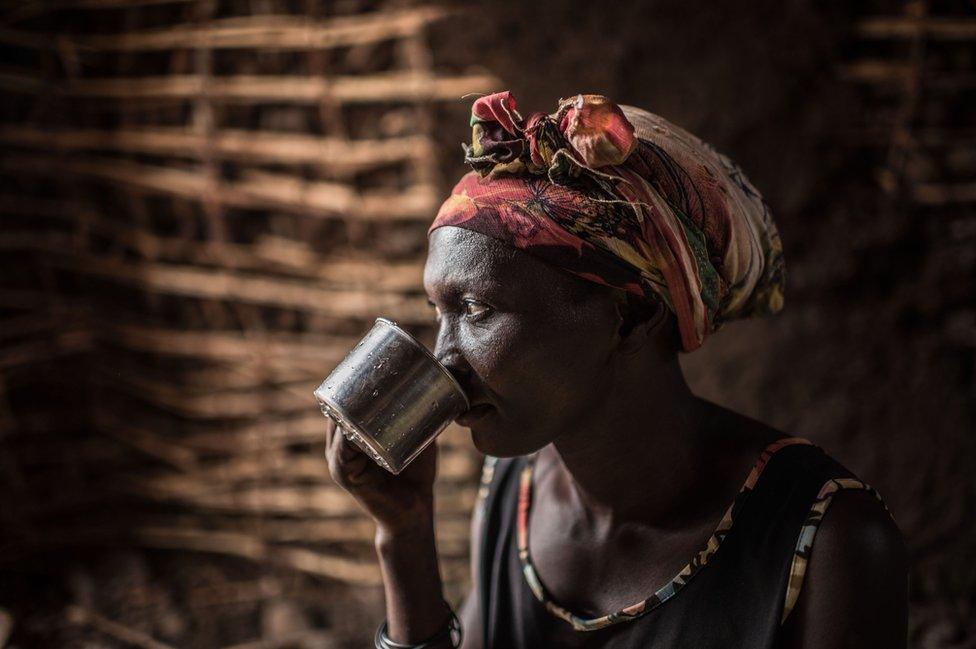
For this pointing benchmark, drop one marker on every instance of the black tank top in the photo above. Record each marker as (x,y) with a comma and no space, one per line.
(737,591)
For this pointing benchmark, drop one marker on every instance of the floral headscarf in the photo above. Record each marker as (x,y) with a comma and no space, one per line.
(619,196)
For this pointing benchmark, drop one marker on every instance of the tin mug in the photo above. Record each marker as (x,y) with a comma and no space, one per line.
(390,396)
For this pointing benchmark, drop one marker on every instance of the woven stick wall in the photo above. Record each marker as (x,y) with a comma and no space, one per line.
(205,205)
(914,67)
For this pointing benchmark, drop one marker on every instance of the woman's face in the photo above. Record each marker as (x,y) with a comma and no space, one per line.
(533,346)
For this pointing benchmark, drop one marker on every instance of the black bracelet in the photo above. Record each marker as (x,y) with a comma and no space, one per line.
(452,632)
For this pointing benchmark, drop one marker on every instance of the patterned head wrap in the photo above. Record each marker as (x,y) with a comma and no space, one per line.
(619,196)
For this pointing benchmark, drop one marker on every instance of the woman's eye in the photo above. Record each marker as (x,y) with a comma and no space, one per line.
(475,309)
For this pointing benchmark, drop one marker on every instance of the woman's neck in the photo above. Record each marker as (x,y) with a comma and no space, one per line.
(639,456)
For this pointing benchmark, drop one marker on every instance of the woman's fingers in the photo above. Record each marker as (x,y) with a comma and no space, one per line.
(355,463)
(330,431)
(348,451)
(347,464)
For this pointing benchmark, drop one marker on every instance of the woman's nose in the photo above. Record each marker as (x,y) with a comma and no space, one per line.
(447,351)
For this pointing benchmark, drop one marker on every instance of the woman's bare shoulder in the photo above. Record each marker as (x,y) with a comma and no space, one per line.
(855,592)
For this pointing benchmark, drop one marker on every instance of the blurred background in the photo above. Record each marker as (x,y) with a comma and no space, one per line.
(204,204)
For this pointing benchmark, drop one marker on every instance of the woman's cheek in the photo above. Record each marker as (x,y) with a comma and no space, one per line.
(494,351)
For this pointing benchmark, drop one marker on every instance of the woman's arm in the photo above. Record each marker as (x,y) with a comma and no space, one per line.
(402,506)
(415,607)
(471,608)
(406,604)
(855,592)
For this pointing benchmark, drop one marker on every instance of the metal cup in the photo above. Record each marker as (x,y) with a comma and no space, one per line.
(390,396)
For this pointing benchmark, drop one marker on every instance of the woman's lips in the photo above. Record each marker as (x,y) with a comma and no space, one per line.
(473,414)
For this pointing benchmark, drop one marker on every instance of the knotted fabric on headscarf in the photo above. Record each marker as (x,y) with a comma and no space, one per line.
(619,196)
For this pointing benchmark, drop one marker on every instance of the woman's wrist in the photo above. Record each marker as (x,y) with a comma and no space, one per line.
(407,555)
(414,528)
(450,635)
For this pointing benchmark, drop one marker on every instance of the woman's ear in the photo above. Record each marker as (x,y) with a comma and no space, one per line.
(642,321)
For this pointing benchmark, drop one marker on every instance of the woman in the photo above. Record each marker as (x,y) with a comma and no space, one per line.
(617,509)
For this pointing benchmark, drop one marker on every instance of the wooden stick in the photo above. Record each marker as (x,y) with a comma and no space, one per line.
(22,81)
(290,192)
(297,639)
(210,406)
(227,345)
(147,441)
(269,291)
(109,4)
(875,71)
(250,547)
(86,617)
(316,563)
(898,27)
(299,429)
(339,156)
(261,461)
(267,253)
(377,88)
(34,352)
(296,500)
(276,32)
(261,191)
(882,72)
(936,194)
(6,626)
(45,324)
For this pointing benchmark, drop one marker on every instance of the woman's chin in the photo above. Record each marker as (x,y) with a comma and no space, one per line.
(483,440)
(496,441)
(485,437)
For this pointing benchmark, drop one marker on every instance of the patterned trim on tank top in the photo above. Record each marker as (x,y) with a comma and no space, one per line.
(487,473)
(664,593)
(801,554)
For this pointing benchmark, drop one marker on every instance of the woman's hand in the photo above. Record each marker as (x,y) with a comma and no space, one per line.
(398,503)
(403,507)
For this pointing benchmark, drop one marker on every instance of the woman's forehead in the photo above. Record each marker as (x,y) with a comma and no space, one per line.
(459,256)
(460,260)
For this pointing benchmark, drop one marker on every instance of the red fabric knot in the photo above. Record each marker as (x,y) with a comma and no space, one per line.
(597,130)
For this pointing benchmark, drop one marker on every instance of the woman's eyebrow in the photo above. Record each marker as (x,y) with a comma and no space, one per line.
(453,288)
